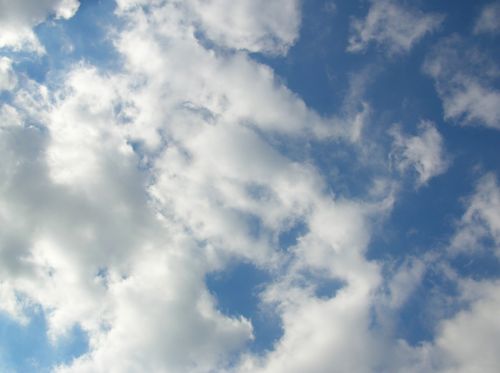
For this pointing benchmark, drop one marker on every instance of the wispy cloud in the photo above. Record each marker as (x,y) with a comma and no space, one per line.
(425,152)
(488,21)
(394,27)
(481,221)
(465,78)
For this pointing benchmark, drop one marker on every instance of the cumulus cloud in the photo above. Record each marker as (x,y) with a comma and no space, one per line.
(466,79)
(424,152)
(488,21)
(394,27)
(123,190)
(257,26)
(17,19)
(93,264)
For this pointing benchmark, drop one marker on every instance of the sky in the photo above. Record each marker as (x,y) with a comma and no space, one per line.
(249,186)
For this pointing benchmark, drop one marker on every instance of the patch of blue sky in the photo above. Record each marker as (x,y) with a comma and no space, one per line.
(316,64)
(236,290)
(32,65)
(320,71)
(435,298)
(402,94)
(321,283)
(82,38)
(481,265)
(291,236)
(424,219)
(345,174)
(27,348)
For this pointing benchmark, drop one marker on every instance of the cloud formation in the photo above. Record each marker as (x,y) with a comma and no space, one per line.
(481,221)
(256,26)
(488,21)
(424,152)
(8,79)
(466,79)
(18,18)
(123,190)
(394,27)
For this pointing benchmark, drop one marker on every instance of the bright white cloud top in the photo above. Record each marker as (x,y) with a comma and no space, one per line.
(137,177)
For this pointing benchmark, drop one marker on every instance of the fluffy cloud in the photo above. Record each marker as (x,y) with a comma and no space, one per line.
(466,80)
(393,26)
(467,341)
(190,177)
(425,152)
(488,21)
(123,190)
(257,26)
(18,18)
(120,263)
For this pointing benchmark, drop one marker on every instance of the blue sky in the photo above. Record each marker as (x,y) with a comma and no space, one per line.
(249,186)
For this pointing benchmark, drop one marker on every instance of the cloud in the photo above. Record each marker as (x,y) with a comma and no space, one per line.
(425,152)
(488,21)
(324,334)
(394,27)
(464,339)
(125,189)
(481,220)
(18,18)
(467,341)
(105,267)
(466,80)
(8,79)
(257,26)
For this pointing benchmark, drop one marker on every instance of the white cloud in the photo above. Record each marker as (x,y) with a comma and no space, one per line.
(8,79)
(125,189)
(405,279)
(424,152)
(467,342)
(254,25)
(163,319)
(393,26)
(17,19)
(87,246)
(465,78)
(481,219)
(488,21)
(323,335)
